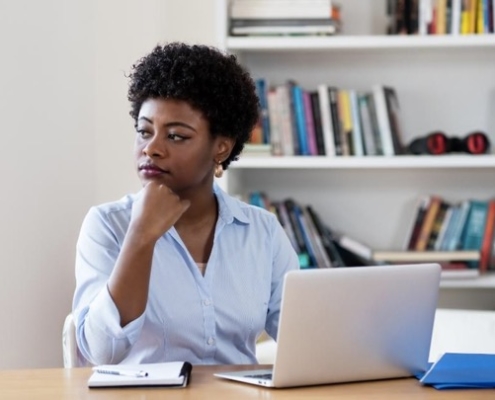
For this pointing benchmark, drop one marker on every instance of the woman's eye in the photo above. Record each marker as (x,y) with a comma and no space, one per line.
(142,133)
(174,137)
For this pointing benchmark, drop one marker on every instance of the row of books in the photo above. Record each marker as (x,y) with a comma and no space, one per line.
(313,241)
(328,121)
(440,225)
(318,246)
(440,17)
(283,17)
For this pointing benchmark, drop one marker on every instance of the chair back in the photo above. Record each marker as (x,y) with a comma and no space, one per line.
(72,357)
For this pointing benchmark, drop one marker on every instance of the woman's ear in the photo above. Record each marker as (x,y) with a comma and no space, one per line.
(224,147)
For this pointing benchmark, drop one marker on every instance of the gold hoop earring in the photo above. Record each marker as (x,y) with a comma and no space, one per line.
(218,170)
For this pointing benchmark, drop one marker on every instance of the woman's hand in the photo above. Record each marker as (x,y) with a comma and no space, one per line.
(155,211)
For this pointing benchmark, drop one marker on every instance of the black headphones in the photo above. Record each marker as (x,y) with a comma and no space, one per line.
(437,142)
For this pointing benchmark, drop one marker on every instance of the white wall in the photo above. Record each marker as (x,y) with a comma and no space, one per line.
(66,144)
(140,25)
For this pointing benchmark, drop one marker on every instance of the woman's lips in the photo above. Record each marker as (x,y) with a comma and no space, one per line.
(150,171)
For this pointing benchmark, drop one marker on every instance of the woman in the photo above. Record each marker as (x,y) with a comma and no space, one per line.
(181,271)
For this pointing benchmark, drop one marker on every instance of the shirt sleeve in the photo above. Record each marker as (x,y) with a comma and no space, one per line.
(100,338)
(284,259)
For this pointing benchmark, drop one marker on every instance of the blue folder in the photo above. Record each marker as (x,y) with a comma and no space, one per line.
(461,370)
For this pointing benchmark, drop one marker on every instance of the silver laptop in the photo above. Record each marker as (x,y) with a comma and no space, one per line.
(351,324)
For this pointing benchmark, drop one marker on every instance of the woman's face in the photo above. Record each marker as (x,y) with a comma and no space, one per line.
(174,146)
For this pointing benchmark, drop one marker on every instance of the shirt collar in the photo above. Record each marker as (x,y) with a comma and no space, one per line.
(228,207)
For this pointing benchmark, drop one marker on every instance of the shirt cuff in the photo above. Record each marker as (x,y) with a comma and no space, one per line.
(105,317)
(107,341)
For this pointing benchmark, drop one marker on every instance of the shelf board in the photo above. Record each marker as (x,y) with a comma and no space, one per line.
(377,162)
(358,42)
(486,281)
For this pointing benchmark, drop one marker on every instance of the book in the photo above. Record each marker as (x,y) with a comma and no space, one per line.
(336,125)
(261,92)
(275,123)
(359,248)
(393,111)
(357,134)
(285,120)
(317,119)
(457,230)
(310,124)
(326,239)
(284,30)
(437,225)
(427,225)
(366,127)
(383,120)
(259,9)
(326,120)
(443,229)
(258,150)
(472,236)
(173,374)
(293,211)
(417,222)
(488,235)
(461,370)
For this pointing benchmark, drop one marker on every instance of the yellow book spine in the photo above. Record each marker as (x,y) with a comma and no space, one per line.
(472,15)
(464,22)
(441,17)
(480,23)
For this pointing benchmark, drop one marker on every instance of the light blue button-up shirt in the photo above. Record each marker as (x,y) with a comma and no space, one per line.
(210,319)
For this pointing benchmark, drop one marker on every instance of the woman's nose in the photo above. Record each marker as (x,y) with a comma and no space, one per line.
(154,148)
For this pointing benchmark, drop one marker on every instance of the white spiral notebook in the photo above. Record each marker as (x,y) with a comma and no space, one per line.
(173,374)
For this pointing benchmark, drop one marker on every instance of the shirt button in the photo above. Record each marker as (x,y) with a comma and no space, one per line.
(211,341)
(207,302)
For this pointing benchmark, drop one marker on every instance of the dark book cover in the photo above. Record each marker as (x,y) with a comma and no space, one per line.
(315,107)
(291,206)
(326,239)
(437,225)
(400,15)
(374,123)
(418,222)
(261,91)
(352,259)
(293,119)
(413,23)
(334,111)
(393,115)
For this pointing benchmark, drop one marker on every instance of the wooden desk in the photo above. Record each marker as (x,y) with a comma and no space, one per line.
(61,384)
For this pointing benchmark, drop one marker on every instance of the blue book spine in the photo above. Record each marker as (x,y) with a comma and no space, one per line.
(457,232)
(357,135)
(297,94)
(305,234)
(475,228)
(261,91)
(450,228)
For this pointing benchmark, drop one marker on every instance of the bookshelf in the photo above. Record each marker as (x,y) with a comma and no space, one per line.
(443,83)
(280,44)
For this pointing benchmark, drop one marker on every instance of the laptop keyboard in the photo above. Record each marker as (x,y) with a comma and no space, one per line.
(260,376)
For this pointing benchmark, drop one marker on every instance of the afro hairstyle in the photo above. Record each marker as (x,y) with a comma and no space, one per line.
(208,80)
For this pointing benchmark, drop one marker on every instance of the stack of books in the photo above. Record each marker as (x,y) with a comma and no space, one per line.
(283,17)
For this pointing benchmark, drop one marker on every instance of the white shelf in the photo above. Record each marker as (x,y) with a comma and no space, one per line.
(358,42)
(397,162)
(486,281)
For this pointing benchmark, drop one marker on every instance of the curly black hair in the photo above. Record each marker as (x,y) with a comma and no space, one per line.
(208,80)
